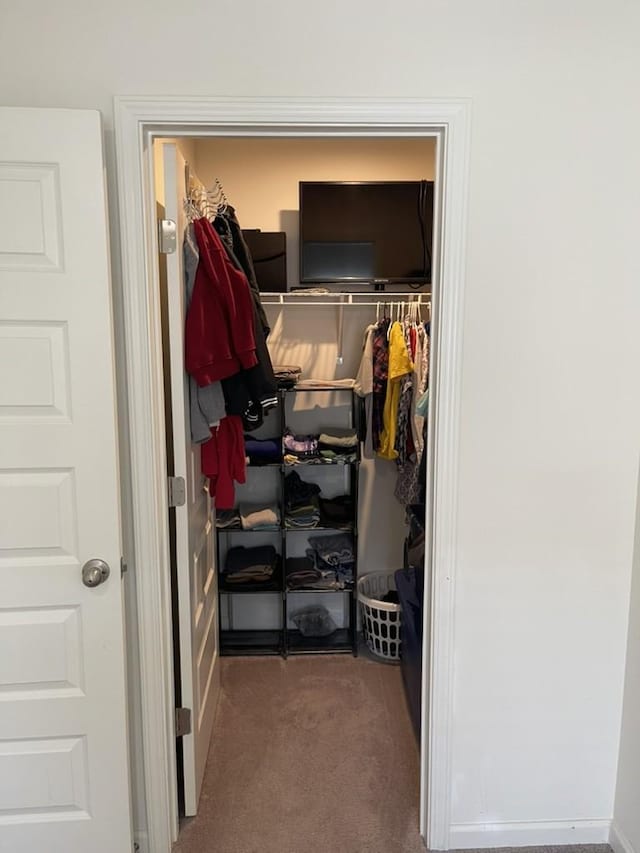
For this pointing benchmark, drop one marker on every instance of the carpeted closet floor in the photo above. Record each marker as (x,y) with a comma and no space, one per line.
(309,755)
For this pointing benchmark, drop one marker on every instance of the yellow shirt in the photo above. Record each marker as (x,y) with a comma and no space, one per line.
(399,365)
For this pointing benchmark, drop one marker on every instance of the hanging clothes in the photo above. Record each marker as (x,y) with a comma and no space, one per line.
(249,393)
(363,387)
(399,365)
(380,352)
(206,402)
(224,343)
(223,461)
(219,339)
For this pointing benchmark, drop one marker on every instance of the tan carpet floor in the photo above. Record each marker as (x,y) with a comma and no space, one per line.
(309,755)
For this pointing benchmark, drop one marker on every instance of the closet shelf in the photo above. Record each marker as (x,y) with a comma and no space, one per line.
(251,642)
(350,527)
(325,464)
(307,590)
(339,641)
(243,531)
(248,588)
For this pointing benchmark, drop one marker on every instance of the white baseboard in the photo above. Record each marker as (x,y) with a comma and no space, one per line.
(530,834)
(142,840)
(619,841)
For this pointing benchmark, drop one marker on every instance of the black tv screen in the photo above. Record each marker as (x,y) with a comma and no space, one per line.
(373,231)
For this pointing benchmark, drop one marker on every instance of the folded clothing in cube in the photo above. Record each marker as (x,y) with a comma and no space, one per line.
(301,446)
(250,565)
(262,451)
(333,552)
(287,375)
(302,574)
(259,517)
(338,439)
(339,510)
(227,519)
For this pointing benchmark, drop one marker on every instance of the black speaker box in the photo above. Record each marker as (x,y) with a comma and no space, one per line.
(269,252)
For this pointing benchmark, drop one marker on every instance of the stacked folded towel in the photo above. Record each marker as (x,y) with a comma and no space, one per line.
(259,517)
(250,565)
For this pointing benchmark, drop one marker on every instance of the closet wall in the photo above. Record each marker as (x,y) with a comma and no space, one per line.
(260,178)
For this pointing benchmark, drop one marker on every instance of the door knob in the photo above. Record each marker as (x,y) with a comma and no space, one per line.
(95,572)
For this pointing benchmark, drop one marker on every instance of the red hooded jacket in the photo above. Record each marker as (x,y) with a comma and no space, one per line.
(219,339)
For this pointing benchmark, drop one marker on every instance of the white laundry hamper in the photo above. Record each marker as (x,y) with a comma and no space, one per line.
(380,619)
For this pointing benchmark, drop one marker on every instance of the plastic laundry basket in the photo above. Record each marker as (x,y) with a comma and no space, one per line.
(380,619)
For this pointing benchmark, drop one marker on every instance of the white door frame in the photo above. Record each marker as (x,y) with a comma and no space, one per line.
(138,120)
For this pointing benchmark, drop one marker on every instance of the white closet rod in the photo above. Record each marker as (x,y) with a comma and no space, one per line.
(415,299)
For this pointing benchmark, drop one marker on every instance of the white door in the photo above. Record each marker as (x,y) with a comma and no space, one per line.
(64,784)
(195,542)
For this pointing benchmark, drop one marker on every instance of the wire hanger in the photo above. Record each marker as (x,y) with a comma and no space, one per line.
(218,199)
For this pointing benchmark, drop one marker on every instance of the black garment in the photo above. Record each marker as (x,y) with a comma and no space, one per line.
(251,390)
(297,492)
(249,393)
(230,232)
(338,510)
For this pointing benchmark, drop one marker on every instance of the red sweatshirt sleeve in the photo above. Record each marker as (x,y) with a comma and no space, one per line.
(219,338)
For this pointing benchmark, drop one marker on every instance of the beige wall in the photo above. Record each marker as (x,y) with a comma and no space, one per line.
(260,176)
(187,148)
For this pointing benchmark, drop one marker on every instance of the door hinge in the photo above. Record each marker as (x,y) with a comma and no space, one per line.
(183,722)
(177,491)
(167,236)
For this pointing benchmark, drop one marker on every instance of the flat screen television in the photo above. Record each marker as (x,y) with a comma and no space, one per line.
(366,231)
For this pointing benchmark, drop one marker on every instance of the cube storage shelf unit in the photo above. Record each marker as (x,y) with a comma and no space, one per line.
(285,640)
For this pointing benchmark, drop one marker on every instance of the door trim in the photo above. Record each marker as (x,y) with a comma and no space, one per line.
(138,120)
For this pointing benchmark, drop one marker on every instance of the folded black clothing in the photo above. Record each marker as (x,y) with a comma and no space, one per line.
(302,574)
(227,518)
(339,510)
(239,558)
(297,491)
(298,564)
(262,451)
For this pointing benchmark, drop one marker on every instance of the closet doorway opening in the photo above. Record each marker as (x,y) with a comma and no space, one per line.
(151,530)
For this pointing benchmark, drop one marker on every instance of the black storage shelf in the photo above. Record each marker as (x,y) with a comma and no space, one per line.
(265,530)
(284,641)
(338,642)
(247,588)
(313,462)
(340,528)
(251,643)
(310,590)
